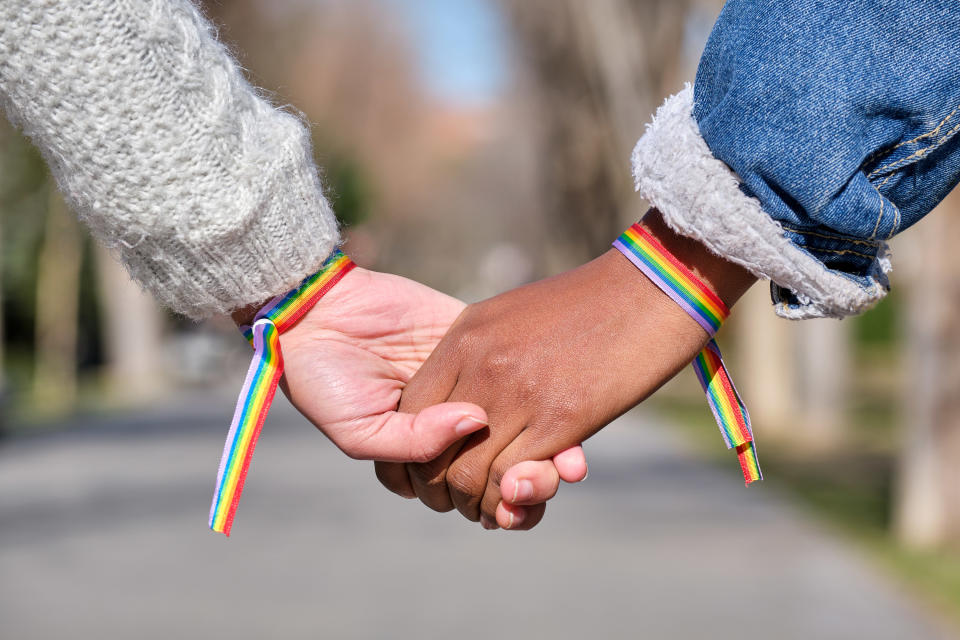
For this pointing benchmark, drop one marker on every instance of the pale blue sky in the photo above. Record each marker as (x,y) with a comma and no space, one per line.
(461,46)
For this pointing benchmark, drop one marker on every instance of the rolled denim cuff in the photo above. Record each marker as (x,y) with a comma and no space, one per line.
(813,273)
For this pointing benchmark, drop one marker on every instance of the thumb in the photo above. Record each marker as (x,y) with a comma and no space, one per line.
(420,437)
(571,464)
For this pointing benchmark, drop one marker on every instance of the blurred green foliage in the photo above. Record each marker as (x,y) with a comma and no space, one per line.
(881,327)
(345,182)
(23,203)
(25,191)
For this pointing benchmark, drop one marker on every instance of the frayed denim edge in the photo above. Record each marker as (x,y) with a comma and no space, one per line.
(699,197)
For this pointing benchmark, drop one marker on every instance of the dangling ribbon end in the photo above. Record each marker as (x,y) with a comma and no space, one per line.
(747,456)
(703,305)
(260,386)
(223,528)
(219,527)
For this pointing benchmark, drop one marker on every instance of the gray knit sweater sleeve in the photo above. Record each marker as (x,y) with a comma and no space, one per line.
(207,193)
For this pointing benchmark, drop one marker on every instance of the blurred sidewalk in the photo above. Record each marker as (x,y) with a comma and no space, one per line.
(103,535)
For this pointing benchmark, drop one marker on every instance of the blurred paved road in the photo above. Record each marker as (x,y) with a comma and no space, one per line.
(103,535)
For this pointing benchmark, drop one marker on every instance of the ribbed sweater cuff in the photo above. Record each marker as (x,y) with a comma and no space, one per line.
(265,250)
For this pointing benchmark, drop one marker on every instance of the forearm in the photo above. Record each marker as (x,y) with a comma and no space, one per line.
(664,337)
(206,192)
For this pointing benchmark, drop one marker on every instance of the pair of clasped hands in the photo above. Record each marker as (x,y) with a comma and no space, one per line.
(482,407)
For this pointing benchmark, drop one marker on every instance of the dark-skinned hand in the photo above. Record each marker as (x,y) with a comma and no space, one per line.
(551,363)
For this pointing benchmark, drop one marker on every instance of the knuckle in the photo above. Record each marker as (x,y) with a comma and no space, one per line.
(428,474)
(424,453)
(430,485)
(529,385)
(498,469)
(565,413)
(465,483)
(385,474)
(394,484)
(440,506)
(527,390)
(499,365)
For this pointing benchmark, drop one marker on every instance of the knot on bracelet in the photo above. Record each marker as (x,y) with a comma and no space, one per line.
(260,385)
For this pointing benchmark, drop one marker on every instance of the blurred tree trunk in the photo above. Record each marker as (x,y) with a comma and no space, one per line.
(794,375)
(927,509)
(132,330)
(58,293)
(766,357)
(3,335)
(5,134)
(823,359)
(599,68)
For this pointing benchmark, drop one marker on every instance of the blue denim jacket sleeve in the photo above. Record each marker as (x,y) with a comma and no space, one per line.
(816,130)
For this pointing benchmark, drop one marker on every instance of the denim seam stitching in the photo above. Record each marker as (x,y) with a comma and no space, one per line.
(847,276)
(877,154)
(896,220)
(918,154)
(896,209)
(876,226)
(928,134)
(828,236)
(842,252)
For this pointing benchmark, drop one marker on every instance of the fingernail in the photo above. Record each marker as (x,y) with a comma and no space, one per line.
(586,475)
(468,424)
(515,518)
(487,523)
(522,490)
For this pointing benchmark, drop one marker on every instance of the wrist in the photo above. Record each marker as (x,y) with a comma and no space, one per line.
(726,279)
(244,316)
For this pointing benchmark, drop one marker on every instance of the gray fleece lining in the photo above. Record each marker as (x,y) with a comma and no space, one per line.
(699,197)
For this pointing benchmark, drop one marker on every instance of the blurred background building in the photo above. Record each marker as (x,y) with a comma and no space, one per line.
(475,145)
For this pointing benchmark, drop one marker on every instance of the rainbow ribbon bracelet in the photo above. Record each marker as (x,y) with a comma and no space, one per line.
(260,386)
(703,305)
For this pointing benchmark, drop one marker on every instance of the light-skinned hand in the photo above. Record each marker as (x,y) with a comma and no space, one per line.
(349,358)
